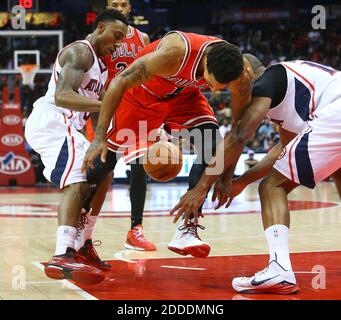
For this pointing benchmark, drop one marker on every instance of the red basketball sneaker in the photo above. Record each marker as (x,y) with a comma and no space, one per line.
(65,266)
(187,241)
(88,255)
(137,241)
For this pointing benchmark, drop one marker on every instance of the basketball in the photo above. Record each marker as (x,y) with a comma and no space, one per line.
(163,161)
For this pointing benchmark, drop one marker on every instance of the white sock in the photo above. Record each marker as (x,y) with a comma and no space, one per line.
(65,238)
(89,227)
(278,241)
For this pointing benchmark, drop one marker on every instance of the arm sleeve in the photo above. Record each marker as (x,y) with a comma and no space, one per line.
(272,84)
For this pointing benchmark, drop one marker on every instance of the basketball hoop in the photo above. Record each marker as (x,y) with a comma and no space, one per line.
(28,72)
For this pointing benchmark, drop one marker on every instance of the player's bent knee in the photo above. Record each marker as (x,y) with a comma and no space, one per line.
(265,186)
(97,175)
(101,170)
(81,189)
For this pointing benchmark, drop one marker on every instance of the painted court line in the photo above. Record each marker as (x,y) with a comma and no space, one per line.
(184,268)
(43,282)
(119,255)
(68,284)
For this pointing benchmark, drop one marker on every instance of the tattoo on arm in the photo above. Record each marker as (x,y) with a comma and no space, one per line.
(75,61)
(94,119)
(100,131)
(137,72)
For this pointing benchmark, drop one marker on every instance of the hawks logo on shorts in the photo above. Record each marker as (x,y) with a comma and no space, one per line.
(284,151)
(311,108)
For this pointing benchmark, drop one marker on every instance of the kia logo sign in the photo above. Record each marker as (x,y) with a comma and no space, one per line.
(11,120)
(17,165)
(12,140)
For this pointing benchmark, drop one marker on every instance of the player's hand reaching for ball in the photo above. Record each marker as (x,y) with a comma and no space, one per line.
(189,203)
(222,191)
(97,147)
(238,185)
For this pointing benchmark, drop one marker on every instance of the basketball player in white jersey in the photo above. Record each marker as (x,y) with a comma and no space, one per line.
(304,98)
(75,88)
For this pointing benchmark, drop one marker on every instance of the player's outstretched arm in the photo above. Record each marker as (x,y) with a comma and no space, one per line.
(228,151)
(75,61)
(223,187)
(262,168)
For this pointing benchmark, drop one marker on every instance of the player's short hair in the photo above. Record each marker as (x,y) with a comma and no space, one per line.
(253,60)
(225,62)
(109,2)
(109,15)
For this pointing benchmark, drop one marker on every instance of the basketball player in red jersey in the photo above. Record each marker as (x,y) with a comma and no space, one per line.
(163,86)
(116,62)
(132,44)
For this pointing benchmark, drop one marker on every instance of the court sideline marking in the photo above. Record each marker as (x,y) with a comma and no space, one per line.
(67,283)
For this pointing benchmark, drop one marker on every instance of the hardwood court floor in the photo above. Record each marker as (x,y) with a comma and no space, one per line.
(27,238)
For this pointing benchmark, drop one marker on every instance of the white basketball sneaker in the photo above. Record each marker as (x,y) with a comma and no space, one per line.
(186,241)
(273,279)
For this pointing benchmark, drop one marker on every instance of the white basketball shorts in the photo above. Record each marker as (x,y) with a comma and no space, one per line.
(315,153)
(61,147)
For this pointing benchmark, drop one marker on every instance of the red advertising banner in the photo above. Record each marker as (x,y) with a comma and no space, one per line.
(250,15)
(15,164)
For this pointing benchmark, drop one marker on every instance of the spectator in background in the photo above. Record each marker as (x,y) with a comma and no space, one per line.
(225,128)
(250,161)
(265,129)
(274,139)
(263,140)
(254,145)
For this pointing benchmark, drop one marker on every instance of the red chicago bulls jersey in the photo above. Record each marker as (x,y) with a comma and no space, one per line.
(125,54)
(185,79)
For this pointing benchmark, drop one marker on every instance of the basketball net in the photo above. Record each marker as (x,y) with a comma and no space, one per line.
(28,72)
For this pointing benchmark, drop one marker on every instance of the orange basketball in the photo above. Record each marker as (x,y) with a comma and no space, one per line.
(163,161)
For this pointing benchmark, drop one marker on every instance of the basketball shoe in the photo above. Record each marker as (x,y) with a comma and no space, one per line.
(186,241)
(137,241)
(88,255)
(66,266)
(83,220)
(273,279)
